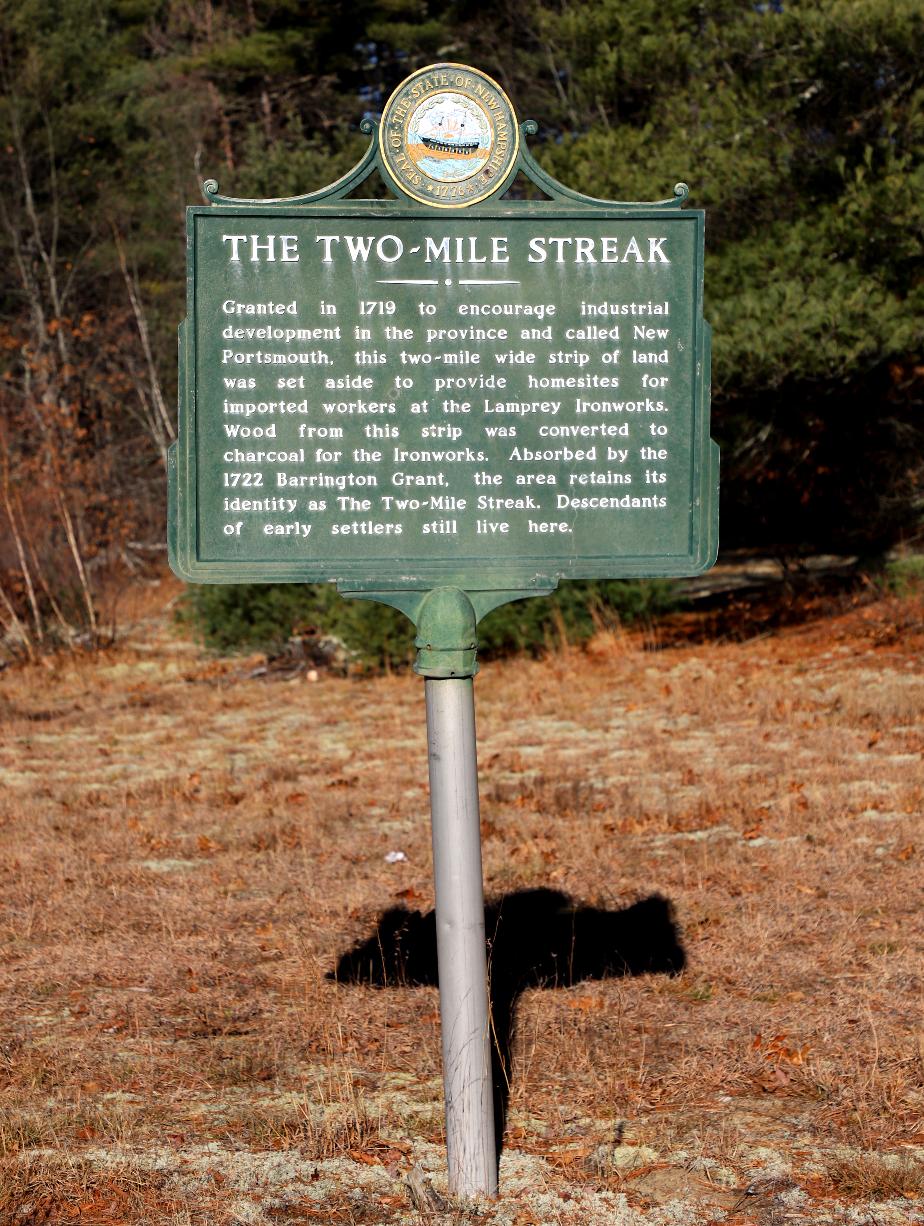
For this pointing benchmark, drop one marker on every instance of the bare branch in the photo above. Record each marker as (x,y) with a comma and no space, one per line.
(131,284)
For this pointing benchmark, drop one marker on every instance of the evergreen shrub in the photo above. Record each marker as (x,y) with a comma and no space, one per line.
(263,617)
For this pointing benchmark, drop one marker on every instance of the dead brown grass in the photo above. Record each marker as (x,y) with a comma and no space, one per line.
(185,852)
(42,1190)
(874,1177)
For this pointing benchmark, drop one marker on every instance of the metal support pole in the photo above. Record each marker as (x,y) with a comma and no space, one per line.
(447,648)
(461,950)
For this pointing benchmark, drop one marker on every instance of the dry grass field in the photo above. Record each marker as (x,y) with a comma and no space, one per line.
(187,850)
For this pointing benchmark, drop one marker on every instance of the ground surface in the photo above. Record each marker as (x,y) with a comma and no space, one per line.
(186,850)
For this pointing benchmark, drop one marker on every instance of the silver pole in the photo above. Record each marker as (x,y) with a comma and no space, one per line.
(461,952)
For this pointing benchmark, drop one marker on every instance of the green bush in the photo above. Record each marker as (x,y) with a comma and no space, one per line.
(575,612)
(262,617)
(904,576)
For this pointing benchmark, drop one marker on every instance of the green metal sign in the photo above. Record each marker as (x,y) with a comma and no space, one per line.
(448,388)
(445,401)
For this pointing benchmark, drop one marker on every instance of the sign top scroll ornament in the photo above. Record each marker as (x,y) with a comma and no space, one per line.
(449,136)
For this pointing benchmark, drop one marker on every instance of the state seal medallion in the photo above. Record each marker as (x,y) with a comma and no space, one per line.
(448,136)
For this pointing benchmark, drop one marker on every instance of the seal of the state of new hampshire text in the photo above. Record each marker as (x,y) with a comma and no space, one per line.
(448,136)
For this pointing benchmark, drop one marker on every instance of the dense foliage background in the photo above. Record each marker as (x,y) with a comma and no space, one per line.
(797,123)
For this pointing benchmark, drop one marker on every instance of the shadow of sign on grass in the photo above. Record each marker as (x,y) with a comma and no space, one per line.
(536,938)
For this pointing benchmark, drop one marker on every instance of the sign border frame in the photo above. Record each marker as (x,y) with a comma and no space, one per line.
(520,571)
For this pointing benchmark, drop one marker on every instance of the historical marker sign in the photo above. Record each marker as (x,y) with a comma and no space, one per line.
(397,393)
(444,402)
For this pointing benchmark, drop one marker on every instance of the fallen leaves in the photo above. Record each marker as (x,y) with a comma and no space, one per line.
(587,1004)
(568,1157)
(776,1048)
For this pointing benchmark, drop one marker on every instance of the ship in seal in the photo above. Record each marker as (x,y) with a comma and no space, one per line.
(450,130)
(449,137)
(456,148)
